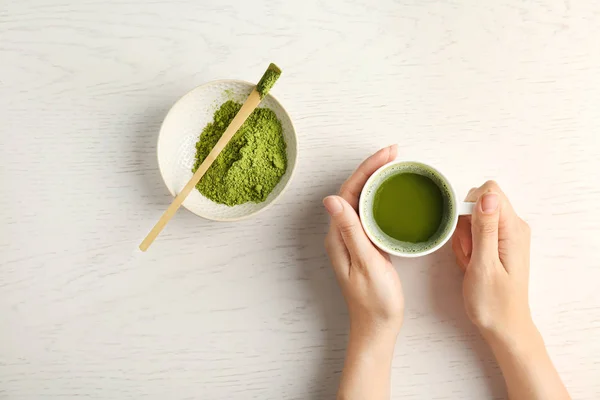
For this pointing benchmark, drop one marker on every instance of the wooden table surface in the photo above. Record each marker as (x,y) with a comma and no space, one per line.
(506,90)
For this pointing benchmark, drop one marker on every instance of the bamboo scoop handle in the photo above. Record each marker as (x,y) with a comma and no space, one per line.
(251,103)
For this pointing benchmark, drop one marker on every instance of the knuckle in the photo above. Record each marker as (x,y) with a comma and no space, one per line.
(491,185)
(346,189)
(486,228)
(363,264)
(347,229)
(490,266)
(482,317)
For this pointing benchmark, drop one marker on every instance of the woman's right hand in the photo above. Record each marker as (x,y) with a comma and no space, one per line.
(492,247)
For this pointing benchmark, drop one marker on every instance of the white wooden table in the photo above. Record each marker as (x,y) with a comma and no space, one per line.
(250,310)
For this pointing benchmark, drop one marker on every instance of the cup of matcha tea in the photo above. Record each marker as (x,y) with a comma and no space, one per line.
(410,209)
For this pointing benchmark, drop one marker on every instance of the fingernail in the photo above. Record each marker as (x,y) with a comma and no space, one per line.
(333,205)
(489,203)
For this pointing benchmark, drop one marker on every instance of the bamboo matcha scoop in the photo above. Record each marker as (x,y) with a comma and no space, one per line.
(258,93)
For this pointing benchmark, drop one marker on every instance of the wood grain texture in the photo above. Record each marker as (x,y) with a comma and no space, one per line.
(508,91)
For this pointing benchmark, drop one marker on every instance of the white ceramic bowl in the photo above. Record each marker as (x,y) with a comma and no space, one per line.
(181,129)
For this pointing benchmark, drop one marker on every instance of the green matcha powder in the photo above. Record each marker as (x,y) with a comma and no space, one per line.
(268,80)
(251,164)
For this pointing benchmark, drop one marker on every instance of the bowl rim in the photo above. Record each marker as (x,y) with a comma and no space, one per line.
(269,204)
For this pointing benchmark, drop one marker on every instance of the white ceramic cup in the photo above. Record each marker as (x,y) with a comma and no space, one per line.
(452,209)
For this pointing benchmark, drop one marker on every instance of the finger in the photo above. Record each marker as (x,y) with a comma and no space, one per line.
(476,192)
(507,216)
(345,218)
(351,189)
(509,223)
(461,259)
(484,228)
(463,233)
(337,252)
(462,242)
(383,254)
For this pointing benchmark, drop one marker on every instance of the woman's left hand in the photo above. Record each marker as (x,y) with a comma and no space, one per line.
(369,282)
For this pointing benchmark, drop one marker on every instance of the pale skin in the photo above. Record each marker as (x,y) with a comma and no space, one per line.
(492,249)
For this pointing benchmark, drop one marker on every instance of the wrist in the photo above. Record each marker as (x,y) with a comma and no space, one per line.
(368,363)
(376,336)
(518,339)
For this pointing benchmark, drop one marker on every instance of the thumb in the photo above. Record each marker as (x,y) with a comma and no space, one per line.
(345,218)
(484,227)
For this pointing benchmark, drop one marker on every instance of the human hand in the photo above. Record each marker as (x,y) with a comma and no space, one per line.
(492,247)
(369,282)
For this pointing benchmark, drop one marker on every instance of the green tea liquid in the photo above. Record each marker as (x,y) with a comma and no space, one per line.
(409,207)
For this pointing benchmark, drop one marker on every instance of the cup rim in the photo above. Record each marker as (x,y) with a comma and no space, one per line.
(382,246)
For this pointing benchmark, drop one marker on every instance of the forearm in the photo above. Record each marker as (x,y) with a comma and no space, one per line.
(527,368)
(368,365)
